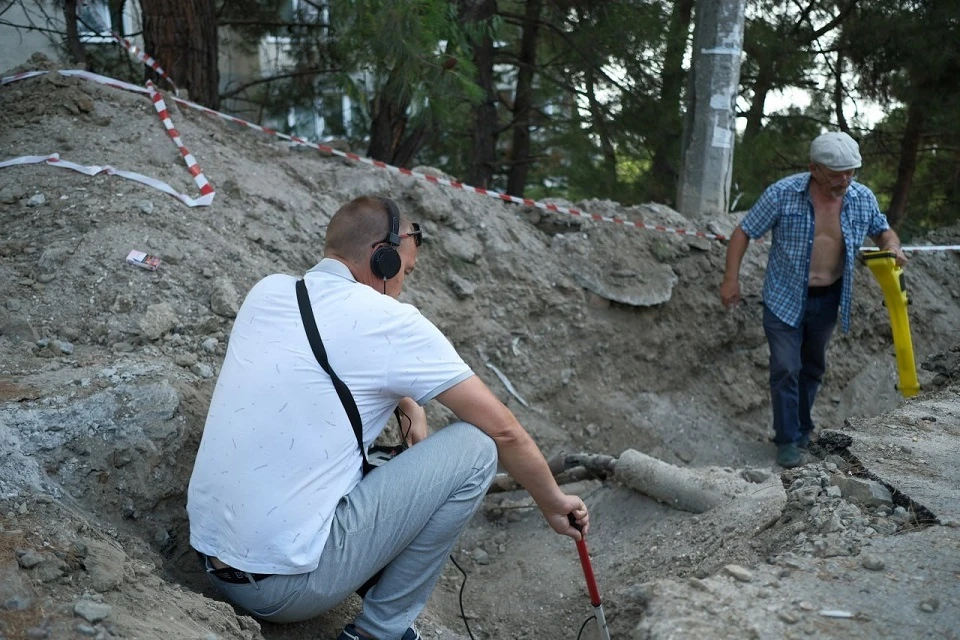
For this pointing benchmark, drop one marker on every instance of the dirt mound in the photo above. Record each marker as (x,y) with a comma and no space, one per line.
(601,339)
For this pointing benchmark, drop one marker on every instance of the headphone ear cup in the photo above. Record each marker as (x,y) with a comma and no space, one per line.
(385,262)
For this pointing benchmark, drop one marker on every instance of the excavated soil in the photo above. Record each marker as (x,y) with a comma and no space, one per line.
(600,337)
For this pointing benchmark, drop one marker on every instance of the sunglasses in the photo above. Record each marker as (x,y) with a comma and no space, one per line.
(416,234)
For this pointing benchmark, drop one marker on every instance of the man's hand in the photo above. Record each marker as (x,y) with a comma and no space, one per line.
(898,255)
(416,429)
(730,292)
(559,517)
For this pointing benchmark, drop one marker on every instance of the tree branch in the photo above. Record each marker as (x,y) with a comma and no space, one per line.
(282,76)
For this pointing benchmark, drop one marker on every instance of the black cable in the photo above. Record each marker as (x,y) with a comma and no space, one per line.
(584,626)
(462,586)
(463,614)
(399,415)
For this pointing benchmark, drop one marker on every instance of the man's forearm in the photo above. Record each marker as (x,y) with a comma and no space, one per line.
(888,240)
(736,249)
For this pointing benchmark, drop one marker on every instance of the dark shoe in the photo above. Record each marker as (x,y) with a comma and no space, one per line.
(788,455)
(350,633)
(804,441)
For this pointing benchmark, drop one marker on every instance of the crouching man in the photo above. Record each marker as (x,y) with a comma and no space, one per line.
(284,512)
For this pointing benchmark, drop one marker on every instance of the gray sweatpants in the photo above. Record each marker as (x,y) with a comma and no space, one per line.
(404,518)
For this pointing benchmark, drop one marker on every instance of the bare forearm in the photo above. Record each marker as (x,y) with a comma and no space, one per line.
(888,240)
(736,249)
(523,460)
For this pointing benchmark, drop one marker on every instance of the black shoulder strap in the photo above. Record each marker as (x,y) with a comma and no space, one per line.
(313,335)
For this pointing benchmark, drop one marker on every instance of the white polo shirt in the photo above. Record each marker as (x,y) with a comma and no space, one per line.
(278,451)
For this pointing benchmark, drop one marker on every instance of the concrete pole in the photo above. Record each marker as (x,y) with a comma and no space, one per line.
(709,128)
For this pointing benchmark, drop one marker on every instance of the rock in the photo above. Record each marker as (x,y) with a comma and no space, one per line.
(930,605)
(871,562)
(17,328)
(865,492)
(17,603)
(186,360)
(29,558)
(104,564)
(462,288)
(52,259)
(36,200)
(157,320)
(145,206)
(11,193)
(203,370)
(91,611)
(756,476)
(738,572)
(224,300)
(481,557)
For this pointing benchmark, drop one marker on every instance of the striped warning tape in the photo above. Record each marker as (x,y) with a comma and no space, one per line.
(202,183)
(206,189)
(54,160)
(444,181)
(142,56)
(419,176)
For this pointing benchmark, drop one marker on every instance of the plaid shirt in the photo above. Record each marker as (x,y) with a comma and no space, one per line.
(786,208)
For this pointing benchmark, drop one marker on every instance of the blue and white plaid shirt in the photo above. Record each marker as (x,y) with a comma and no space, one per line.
(786,208)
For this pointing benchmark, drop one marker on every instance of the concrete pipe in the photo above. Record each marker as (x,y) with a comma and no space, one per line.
(680,488)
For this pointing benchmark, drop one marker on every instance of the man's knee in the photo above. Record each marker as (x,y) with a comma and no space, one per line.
(474,440)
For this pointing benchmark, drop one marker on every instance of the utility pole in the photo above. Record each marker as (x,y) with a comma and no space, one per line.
(706,166)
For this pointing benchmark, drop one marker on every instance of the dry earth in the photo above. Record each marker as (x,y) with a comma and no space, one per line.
(600,338)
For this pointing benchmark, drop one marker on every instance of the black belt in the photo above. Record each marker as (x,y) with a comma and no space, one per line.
(235,576)
(816,292)
(231,575)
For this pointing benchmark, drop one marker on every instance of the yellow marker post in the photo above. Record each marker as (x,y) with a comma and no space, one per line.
(884,267)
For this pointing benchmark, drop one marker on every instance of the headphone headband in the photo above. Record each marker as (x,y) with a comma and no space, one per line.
(393,236)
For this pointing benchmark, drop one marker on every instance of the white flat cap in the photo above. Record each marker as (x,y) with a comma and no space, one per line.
(836,151)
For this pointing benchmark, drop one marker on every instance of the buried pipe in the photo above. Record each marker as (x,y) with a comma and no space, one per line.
(680,488)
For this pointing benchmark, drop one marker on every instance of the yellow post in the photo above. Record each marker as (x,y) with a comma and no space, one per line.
(884,268)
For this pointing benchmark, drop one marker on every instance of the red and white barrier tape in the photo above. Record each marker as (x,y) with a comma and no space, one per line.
(445,182)
(402,171)
(53,159)
(142,56)
(206,189)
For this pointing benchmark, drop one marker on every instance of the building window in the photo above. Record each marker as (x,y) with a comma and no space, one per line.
(93,21)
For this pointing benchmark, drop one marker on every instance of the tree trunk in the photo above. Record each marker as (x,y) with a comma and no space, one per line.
(74,46)
(666,152)
(523,103)
(483,156)
(181,35)
(907,167)
(761,88)
(609,186)
(388,120)
(838,94)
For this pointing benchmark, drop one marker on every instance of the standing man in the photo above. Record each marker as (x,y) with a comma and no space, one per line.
(286,522)
(819,220)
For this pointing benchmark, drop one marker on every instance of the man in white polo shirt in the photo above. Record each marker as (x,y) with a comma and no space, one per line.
(284,519)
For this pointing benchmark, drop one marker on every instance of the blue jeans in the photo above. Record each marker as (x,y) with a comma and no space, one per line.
(798,358)
(404,517)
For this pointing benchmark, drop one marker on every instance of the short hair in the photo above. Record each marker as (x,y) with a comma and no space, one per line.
(356,227)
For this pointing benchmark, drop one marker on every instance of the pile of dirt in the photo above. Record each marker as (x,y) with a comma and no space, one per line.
(599,337)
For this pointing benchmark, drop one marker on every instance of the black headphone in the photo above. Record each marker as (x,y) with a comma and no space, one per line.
(385,261)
